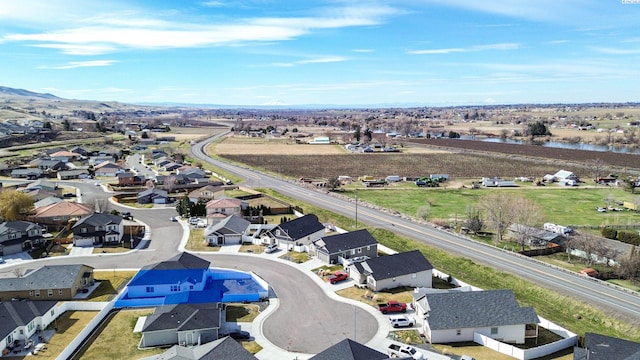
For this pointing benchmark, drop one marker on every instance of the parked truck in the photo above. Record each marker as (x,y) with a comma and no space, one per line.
(392,306)
(337,277)
(404,351)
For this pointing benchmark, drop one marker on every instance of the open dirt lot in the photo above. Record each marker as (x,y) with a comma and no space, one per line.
(241,145)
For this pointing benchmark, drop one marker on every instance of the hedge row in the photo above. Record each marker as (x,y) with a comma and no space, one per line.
(628,237)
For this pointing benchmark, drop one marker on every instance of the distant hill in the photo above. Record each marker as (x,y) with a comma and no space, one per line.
(21,92)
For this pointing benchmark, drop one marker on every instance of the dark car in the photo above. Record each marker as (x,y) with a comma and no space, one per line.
(239,335)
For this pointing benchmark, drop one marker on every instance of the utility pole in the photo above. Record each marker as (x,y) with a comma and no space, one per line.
(356,212)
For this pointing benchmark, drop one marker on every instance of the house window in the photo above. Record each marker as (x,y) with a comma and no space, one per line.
(494,330)
(83,230)
(458,332)
(175,288)
(359,250)
(353,251)
(50,293)
(30,326)
(59,291)
(30,292)
(414,275)
(190,287)
(53,312)
(37,293)
(150,289)
(368,247)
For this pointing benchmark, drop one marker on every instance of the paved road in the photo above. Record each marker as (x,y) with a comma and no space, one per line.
(620,303)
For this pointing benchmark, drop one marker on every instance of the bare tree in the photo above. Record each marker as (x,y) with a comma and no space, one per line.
(526,214)
(499,212)
(423,212)
(629,266)
(474,221)
(598,168)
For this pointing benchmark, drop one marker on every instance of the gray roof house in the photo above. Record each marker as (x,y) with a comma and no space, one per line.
(26,173)
(19,320)
(17,236)
(332,249)
(153,196)
(602,347)
(224,348)
(98,229)
(231,230)
(534,236)
(299,231)
(52,282)
(454,316)
(348,349)
(182,324)
(387,272)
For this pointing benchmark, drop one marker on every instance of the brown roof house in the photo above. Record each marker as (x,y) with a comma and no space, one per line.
(52,282)
(225,206)
(60,213)
(206,193)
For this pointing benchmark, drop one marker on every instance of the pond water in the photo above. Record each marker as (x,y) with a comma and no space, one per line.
(561,145)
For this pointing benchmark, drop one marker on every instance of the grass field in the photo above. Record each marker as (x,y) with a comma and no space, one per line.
(110,283)
(566,206)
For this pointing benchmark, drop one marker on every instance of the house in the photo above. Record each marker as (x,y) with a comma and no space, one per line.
(48,164)
(46,202)
(18,236)
(30,174)
(232,230)
(72,156)
(171,166)
(98,229)
(96,160)
(225,206)
(52,282)
(22,319)
(191,172)
(128,178)
(108,168)
(534,236)
(348,349)
(206,193)
(602,347)
(455,316)
(59,213)
(182,273)
(563,177)
(182,324)
(300,231)
(387,272)
(43,184)
(320,140)
(224,348)
(153,196)
(331,249)
(73,174)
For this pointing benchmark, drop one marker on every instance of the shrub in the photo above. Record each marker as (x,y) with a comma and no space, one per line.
(629,237)
(609,233)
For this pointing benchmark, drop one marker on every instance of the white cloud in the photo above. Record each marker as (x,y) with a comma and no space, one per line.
(80,64)
(362,50)
(113,31)
(329,59)
(616,51)
(499,46)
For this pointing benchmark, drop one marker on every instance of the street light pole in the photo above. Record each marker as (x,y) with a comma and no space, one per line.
(356,212)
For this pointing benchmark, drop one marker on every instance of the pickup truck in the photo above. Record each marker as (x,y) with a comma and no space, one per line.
(392,306)
(404,351)
(337,277)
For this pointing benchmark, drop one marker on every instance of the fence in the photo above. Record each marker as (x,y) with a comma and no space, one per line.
(84,333)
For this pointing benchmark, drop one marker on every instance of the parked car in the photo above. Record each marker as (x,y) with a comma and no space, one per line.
(392,306)
(271,248)
(337,277)
(193,220)
(201,224)
(173,218)
(404,351)
(400,321)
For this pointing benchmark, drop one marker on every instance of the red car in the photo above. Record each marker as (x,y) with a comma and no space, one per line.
(337,277)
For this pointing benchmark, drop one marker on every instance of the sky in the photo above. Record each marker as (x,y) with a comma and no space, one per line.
(324,53)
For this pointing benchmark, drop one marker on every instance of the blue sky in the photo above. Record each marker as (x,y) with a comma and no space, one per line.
(336,52)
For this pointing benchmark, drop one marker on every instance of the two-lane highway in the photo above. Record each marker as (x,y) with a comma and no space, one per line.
(617,302)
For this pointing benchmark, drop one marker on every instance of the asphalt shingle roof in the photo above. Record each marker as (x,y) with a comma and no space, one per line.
(386,267)
(225,348)
(602,347)
(46,277)
(473,309)
(342,242)
(301,227)
(19,313)
(183,317)
(348,349)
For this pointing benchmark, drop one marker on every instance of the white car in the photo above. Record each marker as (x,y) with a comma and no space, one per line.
(400,321)
(271,248)
(194,220)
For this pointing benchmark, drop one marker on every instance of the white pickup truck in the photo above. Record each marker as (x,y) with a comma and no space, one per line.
(404,351)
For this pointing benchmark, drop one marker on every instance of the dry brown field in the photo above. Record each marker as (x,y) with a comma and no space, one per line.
(241,145)
(193,133)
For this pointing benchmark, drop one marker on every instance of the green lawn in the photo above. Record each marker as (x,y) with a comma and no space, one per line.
(567,206)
